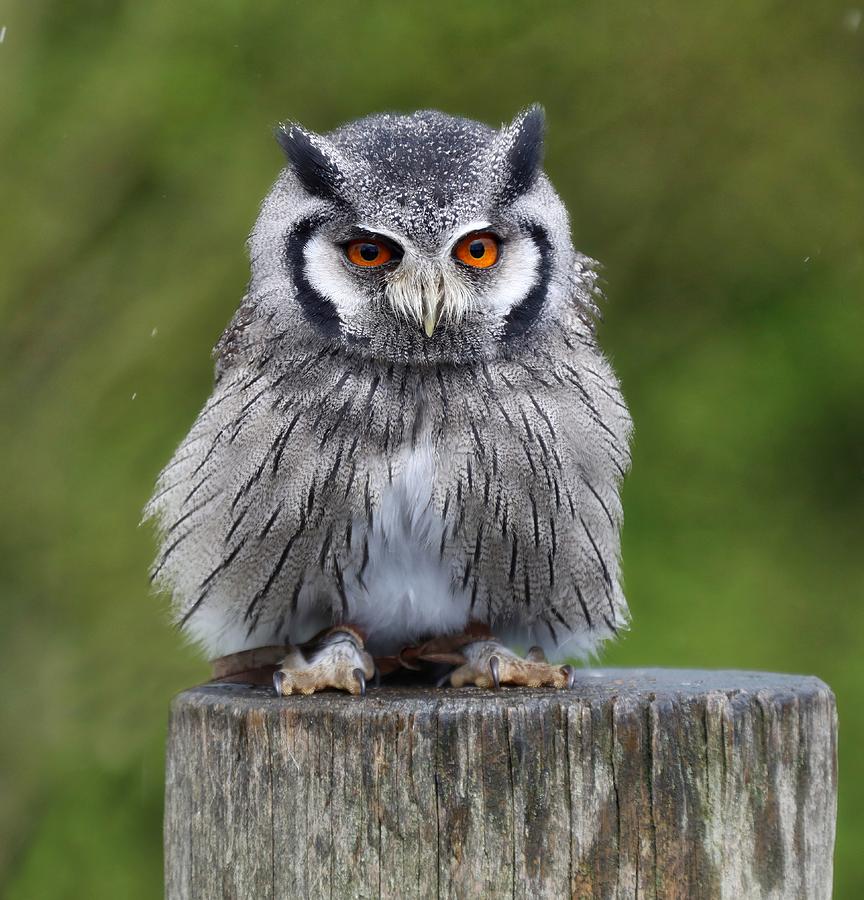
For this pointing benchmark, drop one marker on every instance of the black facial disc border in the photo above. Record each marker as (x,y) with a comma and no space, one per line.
(525,313)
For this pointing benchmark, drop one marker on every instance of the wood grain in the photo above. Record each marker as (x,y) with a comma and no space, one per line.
(638,783)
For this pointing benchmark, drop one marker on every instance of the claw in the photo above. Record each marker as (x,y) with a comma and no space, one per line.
(444,678)
(278,679)
(536,654)
(493,668)
(570,672)
(361,680)
(376,681)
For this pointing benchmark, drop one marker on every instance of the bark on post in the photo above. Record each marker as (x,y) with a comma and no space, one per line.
(638,783)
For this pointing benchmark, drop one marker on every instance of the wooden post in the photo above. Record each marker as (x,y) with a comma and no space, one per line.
(638,783)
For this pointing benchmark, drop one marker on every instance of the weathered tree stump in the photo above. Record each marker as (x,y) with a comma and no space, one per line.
(638,783)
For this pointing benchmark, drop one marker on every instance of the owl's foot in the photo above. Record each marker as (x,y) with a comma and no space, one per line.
(336,659)
(489,664)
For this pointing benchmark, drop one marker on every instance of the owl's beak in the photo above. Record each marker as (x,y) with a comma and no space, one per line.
(416,292)
(431,314)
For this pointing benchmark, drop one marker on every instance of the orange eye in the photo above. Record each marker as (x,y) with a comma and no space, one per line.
(478,250)
(368,253)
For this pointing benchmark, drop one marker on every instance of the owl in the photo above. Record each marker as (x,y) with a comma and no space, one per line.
(414,447)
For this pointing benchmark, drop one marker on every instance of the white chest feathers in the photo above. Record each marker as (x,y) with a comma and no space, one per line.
(407,590)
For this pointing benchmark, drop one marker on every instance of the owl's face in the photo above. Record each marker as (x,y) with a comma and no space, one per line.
(420,238)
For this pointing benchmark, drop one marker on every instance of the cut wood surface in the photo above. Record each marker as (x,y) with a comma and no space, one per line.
(637,783)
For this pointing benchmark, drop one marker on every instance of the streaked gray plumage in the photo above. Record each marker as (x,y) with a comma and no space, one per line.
(349,468)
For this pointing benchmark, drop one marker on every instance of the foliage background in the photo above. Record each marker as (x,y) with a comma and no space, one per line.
(711,155)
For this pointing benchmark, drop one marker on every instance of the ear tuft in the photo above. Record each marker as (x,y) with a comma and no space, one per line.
(524,155)
(307,157)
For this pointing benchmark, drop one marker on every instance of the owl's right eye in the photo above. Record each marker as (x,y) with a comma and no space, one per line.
(368,253)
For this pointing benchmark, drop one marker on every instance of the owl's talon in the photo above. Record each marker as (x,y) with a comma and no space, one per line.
(445,677)
(494,668)
(336,659)
(361,680)
(278,678)
(489,664)
(536,654)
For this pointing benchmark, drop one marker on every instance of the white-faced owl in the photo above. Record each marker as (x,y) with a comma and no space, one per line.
(414,446)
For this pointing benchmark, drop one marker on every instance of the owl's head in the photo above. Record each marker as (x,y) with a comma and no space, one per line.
(419,237)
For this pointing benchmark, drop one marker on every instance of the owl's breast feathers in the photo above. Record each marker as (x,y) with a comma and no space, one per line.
(279,505)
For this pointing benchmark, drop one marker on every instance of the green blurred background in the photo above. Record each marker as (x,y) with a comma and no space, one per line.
(711,156)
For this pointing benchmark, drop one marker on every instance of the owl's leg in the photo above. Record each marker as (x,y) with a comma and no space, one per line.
(336,659)
(490,664)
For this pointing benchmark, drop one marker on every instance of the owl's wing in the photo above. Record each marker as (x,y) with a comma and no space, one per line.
(531,498)
(266,508)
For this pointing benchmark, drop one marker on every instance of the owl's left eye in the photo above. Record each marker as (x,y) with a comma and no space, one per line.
(368,253)
(478,250)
